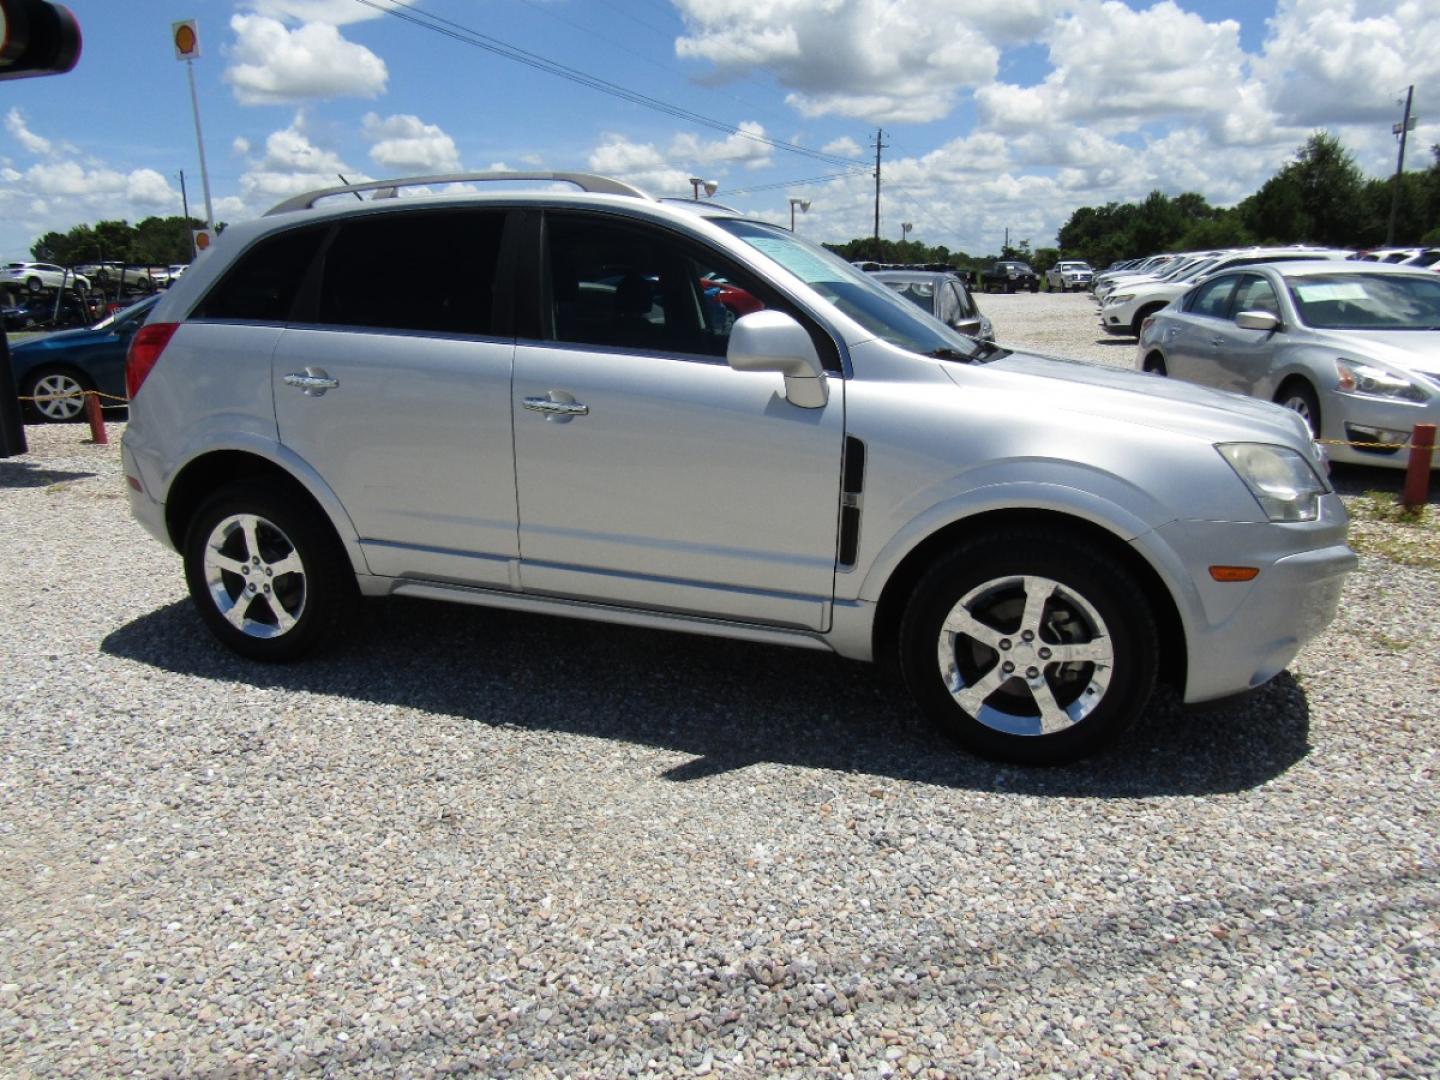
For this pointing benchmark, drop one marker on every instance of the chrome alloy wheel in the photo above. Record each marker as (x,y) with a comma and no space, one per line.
(254,576)
(1025,655)
(57,408)
(1297,402)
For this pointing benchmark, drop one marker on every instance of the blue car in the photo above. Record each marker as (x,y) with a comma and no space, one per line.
(76,360)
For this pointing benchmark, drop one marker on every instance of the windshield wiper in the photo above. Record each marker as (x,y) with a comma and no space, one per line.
(984,350)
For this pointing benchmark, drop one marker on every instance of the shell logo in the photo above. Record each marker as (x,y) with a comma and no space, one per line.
(186,37)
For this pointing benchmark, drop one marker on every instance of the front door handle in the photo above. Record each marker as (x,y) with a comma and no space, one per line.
(554,408)
(314,381)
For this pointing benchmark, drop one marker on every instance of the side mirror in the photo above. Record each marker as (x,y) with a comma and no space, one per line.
(774,341)
(1257,320)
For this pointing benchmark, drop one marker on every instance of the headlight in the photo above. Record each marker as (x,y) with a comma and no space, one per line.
(1283,483)
(1356,377)
(1123,298)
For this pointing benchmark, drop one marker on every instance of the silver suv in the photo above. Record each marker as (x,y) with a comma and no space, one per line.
(562,418)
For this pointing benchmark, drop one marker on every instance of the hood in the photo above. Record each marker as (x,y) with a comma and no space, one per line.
(1128,397)
(1418,350)
(65,339)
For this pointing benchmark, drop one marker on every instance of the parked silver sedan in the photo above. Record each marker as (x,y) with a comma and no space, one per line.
(1354,348)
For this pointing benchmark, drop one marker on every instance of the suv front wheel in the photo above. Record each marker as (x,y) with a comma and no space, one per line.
(266,577)
(1029,648)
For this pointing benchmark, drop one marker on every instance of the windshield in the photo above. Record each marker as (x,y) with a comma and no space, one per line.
(883,312)
(1367,301)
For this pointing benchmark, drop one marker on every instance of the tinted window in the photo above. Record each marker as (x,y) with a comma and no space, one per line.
(1213,298)
(631,288)
(949,308)
(263,283)
(963,302)
(427,271)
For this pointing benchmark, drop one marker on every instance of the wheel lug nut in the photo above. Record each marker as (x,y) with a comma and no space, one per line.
(1044,654)
(1030,673)
(1007,667)
(1005,643)
(1028,635)
(244,569)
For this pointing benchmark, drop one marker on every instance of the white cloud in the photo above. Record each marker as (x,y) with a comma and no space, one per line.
(641,164)
(407,143)
(743,148)
(292,163)
(669,171)
(274,65)
(844,146)
(15,124)
(241,146)
(882,60)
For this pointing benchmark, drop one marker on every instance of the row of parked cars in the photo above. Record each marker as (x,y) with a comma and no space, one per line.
(1348,341)
(35,278)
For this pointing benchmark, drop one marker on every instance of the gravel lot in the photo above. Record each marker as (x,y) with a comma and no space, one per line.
(470,840)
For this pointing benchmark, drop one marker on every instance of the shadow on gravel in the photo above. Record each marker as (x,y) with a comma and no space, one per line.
(1362,479)
(730,704)
(25,474)
(1128,341)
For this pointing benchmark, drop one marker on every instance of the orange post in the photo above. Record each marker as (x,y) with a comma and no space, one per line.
(1417,473)
(97,420)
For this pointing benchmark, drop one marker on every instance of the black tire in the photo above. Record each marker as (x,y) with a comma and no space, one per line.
(33,285)
(1155,364)
(1143,314)
(1034,286)
(48,381)
(1094,605)
(1009,287)
(314,599)
(1299,396)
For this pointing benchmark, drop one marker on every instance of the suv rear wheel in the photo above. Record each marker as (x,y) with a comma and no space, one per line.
(1036,649)
(267,578)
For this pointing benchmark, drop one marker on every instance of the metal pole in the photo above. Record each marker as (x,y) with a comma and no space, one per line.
(200,142)
(185,205)
(1399,169)
(1417,471)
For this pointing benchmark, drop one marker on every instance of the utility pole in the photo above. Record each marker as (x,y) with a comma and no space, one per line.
(880,144)
(1402,129)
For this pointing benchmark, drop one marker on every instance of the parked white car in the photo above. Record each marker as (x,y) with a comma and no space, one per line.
(1068,274)
(36,277)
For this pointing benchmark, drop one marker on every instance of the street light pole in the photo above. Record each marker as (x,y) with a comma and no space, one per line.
(804,205)
(696,184)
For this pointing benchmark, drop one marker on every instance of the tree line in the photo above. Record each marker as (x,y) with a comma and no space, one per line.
(155,241)
(1319,197)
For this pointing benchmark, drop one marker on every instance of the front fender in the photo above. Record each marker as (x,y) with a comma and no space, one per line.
(1083,492)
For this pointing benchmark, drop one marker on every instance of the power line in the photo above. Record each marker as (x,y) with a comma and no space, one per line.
(465,35)
(792,183)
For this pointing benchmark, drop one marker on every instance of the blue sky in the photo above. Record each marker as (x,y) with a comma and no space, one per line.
(997,115)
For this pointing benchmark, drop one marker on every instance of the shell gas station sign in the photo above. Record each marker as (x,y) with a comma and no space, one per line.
(186,38)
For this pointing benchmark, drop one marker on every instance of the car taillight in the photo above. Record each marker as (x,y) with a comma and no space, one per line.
(1145,324)
(145,348)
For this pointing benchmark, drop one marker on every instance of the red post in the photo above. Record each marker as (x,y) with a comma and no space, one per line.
(1417,473)
(97,420)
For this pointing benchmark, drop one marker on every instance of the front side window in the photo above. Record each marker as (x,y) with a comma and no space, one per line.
(1213,298)
(432,271)
(964,303)
(614,285)
(1256,294)
(882,311)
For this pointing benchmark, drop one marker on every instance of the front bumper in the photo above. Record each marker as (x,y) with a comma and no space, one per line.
(1239,635)
(1356,418)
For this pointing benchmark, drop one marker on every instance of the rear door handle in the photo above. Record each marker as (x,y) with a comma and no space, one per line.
(314,381)
(556,409)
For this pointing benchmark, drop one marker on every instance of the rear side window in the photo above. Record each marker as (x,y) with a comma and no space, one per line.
(431,271)
(263,283)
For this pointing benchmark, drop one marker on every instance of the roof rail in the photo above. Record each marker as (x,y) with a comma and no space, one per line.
(387,189)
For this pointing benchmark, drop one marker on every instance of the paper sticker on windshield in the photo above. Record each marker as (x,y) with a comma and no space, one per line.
(796,259)
(1320,292)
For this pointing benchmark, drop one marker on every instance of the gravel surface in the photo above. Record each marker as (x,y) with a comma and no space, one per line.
(478,841)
